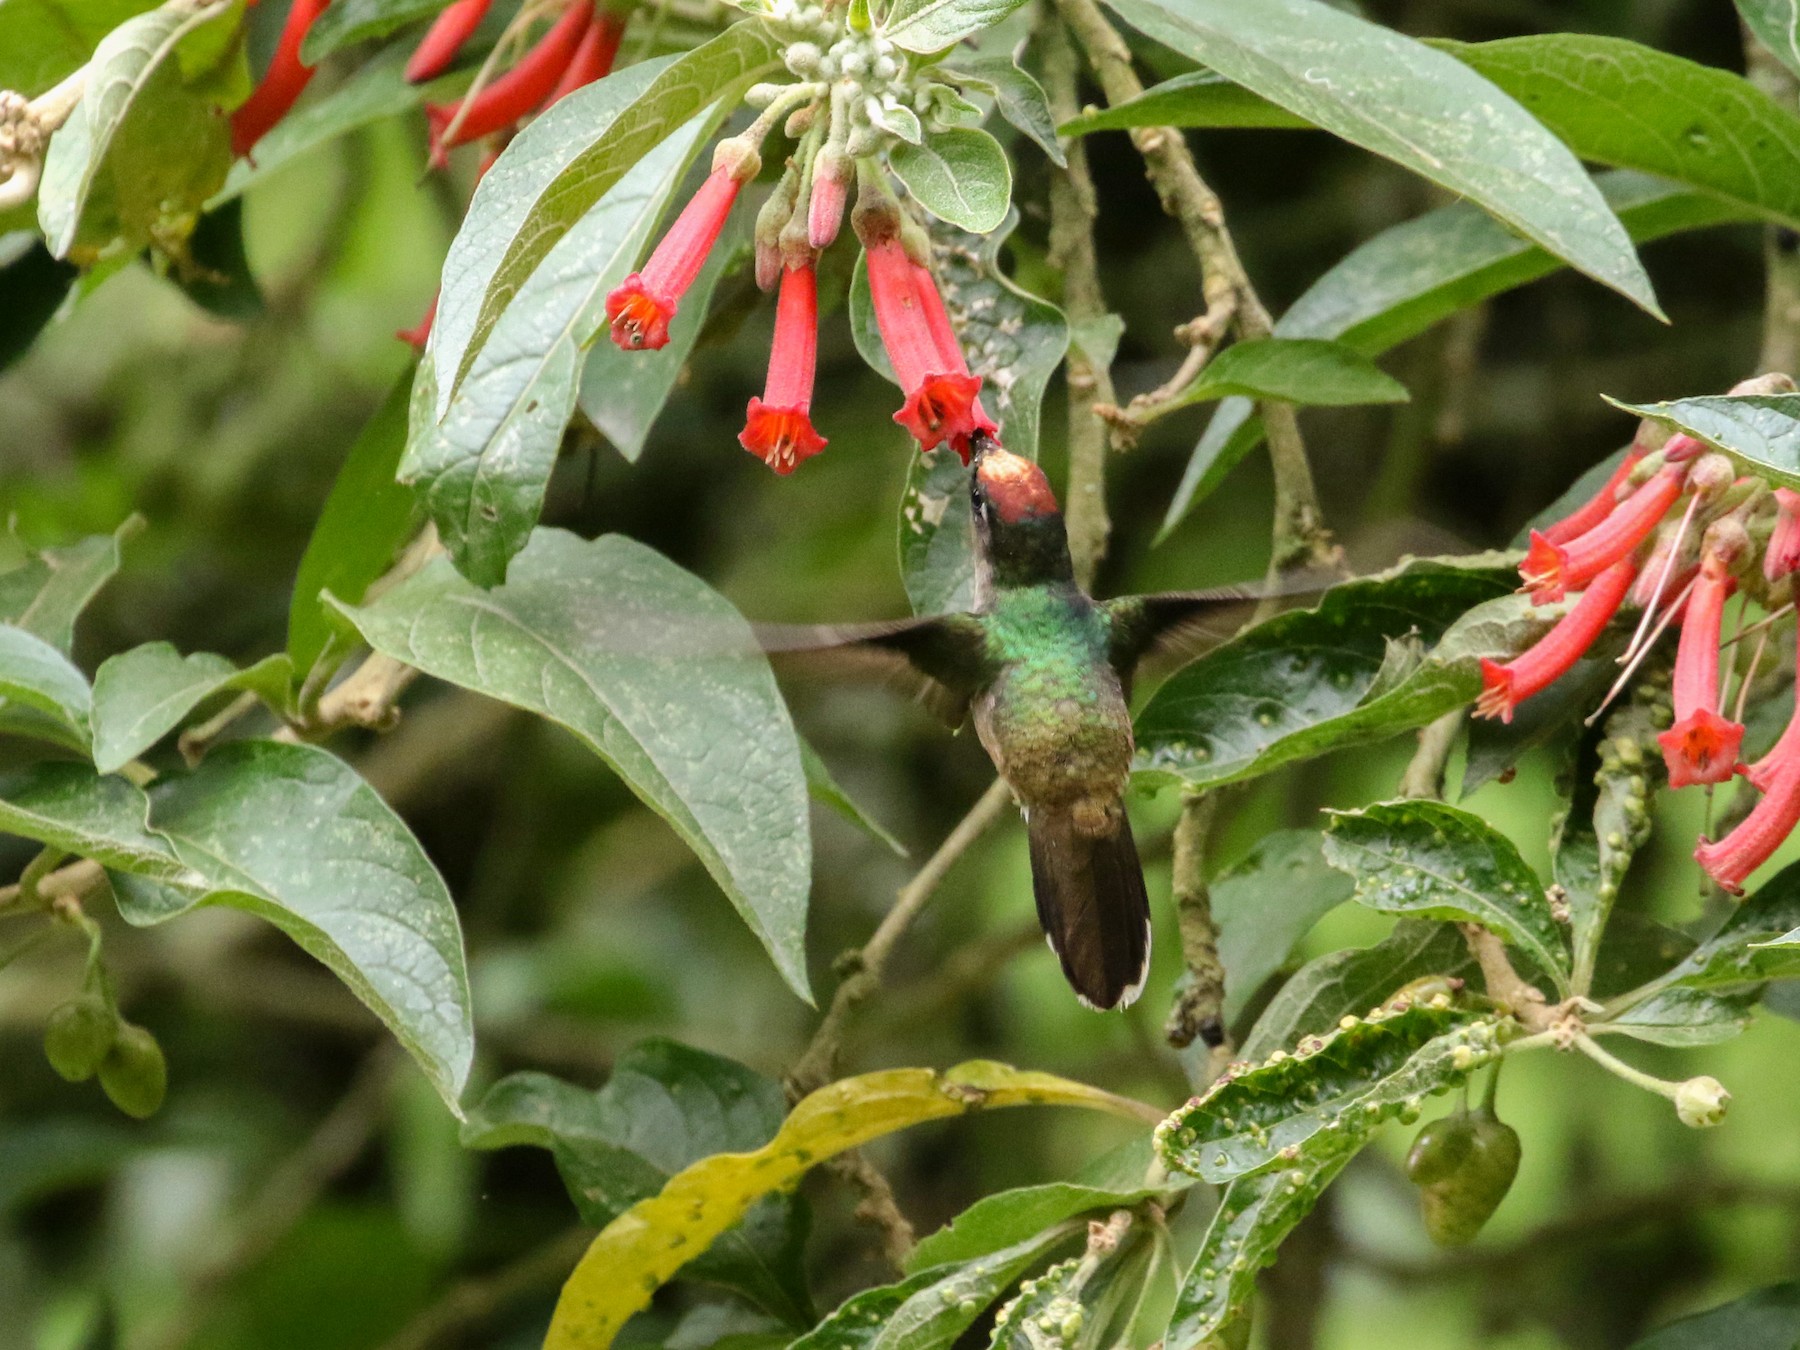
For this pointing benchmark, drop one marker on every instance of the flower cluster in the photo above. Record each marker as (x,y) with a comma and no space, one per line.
(1673,534)
(854,94)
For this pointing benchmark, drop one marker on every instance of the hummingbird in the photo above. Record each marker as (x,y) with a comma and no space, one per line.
(1045,671)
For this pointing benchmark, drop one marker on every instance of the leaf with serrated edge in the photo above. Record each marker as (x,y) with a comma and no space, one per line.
(1347,1081)
(640,1250)
(1315,680)
(143,694)
(960,175)
(484,466)
(291,834)
(46,594)
(1420,108)
(560,165)
(1350,983)
(1760,433)
(656,674)
(1415,274)
(1255,1214)
(1435,861)
(35,675)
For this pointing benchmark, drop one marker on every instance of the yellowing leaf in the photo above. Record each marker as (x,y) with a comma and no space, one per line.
(639,1251)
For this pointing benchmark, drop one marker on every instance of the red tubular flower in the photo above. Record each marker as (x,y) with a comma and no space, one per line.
(283,82)
(593,59)
(1730,861)
(778,426)
(941,403)
(640,307)
(950,352)
(454,26)
(1551,570)
(1598,507)
(832,173)
(1505,687)
(1702,746)
(515,94)
(1782,556)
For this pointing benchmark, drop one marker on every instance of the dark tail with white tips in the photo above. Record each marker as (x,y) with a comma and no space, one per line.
(1092,903)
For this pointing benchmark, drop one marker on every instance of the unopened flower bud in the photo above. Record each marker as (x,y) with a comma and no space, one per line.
(770,222)
(134,1073)
(832,172)
(737,157)
(1711,474)
(1774,382)
(762,95)
(78,1035)
(1726,540)
(1782,556)
(803,59)
(1700,1102)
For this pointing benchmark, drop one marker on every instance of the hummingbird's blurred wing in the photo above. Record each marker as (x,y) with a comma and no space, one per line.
(943,657)
(1184,623)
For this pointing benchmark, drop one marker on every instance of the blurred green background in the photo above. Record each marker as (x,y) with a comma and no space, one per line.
(304,1189)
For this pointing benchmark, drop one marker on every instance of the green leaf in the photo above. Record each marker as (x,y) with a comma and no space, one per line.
(1755,944)
(112,170)
(216,273)
(1686,1017)
(926,26)
(1420,108)
(998,1221)
(622,393)
(823,788)
(1349,983)
(656,674)
(937,535)
(932,1308)
(1255,1214)
(1768,1319)
(143,694)
(960,175)
(1256,937)
(1433,861)
(291,834)
(1378,655)
(1415,274)
(366,521)
(1346,1082)
(1018,97)
(376,91)
(348,21)
(34,675)
(1616,102)
(1611,101)
(41,41)
(564,162)
(482,468)
(1073,1304)
(1759,432)
(47,593)
(1776,24)
(665,1107)
(1310,371)
(642,1249)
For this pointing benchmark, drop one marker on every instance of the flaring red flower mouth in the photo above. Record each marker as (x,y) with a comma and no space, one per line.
(781,437)
(1551,570)
(1505,686)
(943,408)
(640,307)
(1701,748)
(639,321)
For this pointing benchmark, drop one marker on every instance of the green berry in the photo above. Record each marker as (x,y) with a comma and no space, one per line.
(78,1036)
(134,1073)
(1463,1165)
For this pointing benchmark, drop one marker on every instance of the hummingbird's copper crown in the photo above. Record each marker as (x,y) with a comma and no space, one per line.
(1016,487)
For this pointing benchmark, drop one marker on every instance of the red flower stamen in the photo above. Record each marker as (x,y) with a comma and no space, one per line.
(444,39)
(778,426)
(640,308)
(283,82)
(1702,746)
(1598,507)
(1731,861)
(1782,556)
(593,59)
(514,95)
(1551,570)
(1505,686)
